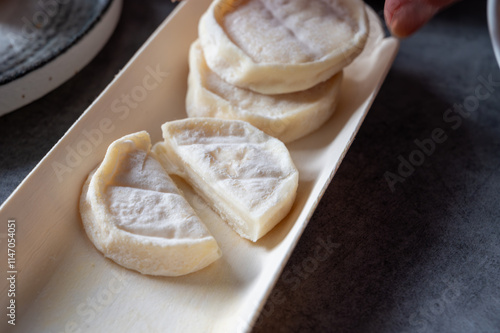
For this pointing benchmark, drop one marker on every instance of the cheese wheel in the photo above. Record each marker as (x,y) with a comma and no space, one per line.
(134,214)
(285,116)
(281,46)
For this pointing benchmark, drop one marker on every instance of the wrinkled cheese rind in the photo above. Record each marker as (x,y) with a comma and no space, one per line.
(282,46)
(247,176)
(135,215)
(286,117)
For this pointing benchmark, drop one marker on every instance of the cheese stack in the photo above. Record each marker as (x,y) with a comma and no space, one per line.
(276,63)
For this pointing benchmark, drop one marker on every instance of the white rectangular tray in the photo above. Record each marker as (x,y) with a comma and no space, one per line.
(65,285)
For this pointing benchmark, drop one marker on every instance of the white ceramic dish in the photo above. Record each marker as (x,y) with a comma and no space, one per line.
(494,26)
(65,285)
(45,43)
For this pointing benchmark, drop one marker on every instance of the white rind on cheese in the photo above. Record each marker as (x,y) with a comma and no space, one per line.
(135,215)
(286,116)
(282,46)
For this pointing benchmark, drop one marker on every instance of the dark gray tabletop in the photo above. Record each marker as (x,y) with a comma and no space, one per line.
(420,255)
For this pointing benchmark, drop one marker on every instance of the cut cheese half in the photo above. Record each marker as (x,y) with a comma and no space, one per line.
(286,116)
(245,175)
(135,215)
(278,46)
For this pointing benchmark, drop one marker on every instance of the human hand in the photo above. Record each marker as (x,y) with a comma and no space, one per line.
(404,17)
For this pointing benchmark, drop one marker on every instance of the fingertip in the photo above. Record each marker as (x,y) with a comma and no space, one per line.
(390,7)
(405,17)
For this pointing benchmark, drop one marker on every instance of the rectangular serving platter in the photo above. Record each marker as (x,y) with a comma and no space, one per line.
(65,285)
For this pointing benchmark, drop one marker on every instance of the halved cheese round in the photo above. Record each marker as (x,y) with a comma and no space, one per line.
(135,215)
(285,116)
(281,46)
(245,175)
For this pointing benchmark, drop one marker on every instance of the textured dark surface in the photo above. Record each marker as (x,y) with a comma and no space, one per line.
(46,34)
(422,258)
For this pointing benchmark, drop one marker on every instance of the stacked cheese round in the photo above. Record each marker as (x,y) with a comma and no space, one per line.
(276,64)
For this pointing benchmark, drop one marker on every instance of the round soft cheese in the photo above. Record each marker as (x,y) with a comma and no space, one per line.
(285,116)
(282,46)
(134,214)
